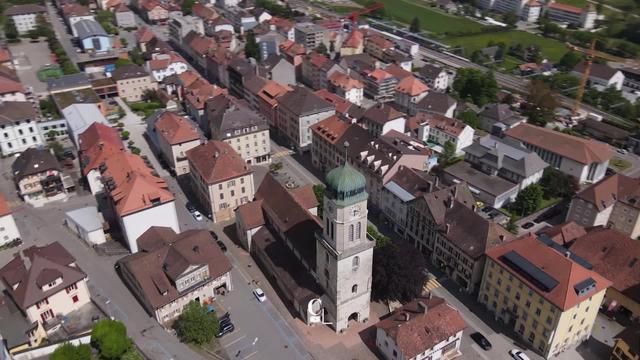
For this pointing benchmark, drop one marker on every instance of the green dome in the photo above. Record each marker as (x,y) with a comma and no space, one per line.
(346,185)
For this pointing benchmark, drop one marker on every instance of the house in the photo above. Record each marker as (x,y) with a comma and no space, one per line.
(604,132)
(309,35)
(585,159)
(181,25)
(434,76)
(95,145)
(19,131)
(611,202)
(437,103)
(397,57)
(601,74)
(278,69)
(172,269)
(38,177)
(239,71)
(208,14)
(133,81)
(75,12)
(46,284)
(8,230)
(25,16)
(221,178)
(268,100)
(297,111)
(425,328)
(626,346)
(497,118)
(350,111)
(125,17)
(564,234)
(283,26)
(361,63)
(79,117)
(563,13)
(316,70)
(631,77)
(381,118)
(153,11)
(173,135)
(379,85)
(437,130)
(375,45)
(408,93)
(87,224)
(550,296)
(11,90)
(196,96)
(92,36)
(166,64)
(347,87)
(353,44)
(137,197)
(613,255)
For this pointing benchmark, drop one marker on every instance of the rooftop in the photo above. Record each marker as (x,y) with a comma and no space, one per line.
(14,111)
(506,153)
(33,161)
(493,185)
(128,71)
(25,9)
(216,161)
(302,102)
(70,81)
(88,28)
(411,86)
(175,129)
(606,192)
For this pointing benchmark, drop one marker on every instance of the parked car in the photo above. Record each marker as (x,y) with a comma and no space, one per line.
(225,329)
(197,216)
(259,294)
(481,340)
(222,246)
(518,354)
(190,207)
(528,225)
(621,151)
(213,235)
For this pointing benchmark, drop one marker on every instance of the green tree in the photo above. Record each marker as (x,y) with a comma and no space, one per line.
(510,19)
(473,84)
(68,351)
(136,56)
(251,48)
(511,225)
(114,345)
(569,60)
(556,184)
(121,62)
(470,118)
(132,354)
(541,103)
(195,325)
(322,49)
(10,31)
(124,42)
(103,330)
(57,148)
(124,135)
(528,200)
(187,5)
(448,153)
(398,272)
(381,240)
(318,191)
(415,25)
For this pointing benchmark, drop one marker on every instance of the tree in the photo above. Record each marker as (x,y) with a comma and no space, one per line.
(569,60)
(448,153)
(511,225)
(318,191)
(150,95)
(10,31)
(52,133)
(187,5)
(541,103)
(510,19)
(528,200)
(322,49)
(57,148)
(556,184)
(398,272)
(124,42)
(470,118)
(195,325)
(136,56)
(121,62)
(381,240)
(415,25)
(110,338)
(68,351)
(251,48)
(124,135)
(132,354)
(475,85)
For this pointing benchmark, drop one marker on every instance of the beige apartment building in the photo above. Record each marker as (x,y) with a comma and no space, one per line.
(132,82)
(221,178)
(174,136)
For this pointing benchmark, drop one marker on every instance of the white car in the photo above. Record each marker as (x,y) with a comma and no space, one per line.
(259,294)
(196,215)
(518,354)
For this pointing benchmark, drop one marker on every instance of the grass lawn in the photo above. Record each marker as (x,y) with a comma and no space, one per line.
(342,9)
(545,203)
(619,164)
(551,49)
(431,20)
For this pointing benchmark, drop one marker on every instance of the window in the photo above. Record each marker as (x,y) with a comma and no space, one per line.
(219,186)
(74,299)
(354,289)
(221,196)
(351,232)
(233,193)
(71,287)
(538,311)
(355,262)
(528,303)
(358,230)
(243,190)
(241,180)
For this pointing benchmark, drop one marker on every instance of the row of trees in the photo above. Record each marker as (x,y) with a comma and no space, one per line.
(108,338)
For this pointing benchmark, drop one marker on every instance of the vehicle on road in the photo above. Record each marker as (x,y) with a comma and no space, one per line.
(621,151)
(225,329)
(528,225)
(197,216)
(221,245)
(481,340)
(259,294)
(518,354)
(190,207)
(213,234)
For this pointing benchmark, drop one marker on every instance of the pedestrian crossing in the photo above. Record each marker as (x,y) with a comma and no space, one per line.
(280,154)
(430,285)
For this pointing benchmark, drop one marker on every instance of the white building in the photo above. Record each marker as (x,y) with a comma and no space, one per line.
(18,127)
(600,74)
(180,25)
(438,129)
(173,136)
(531,11)
(8,229)
(11,90)
(425,329)
(25,16)
(382,118)
(563,13)
(87,224)
(434,76)
(163,65)
(409,92)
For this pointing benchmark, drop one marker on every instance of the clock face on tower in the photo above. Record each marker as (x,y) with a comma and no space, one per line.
(355,211)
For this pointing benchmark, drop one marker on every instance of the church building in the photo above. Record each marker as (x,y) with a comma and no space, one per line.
(322,266)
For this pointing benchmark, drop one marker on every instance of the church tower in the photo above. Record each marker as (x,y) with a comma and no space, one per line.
(344,254)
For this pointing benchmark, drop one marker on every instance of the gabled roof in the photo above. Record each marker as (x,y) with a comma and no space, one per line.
(411,86)
(74,9)
(445,124)
(608,191)
(25,9)
(408,183)
(33,161)
(175,129)
(355,39)
(506,153)
(302,101)
(144,34)
(381,113)
(8,86)
(436,102)
(430,71)
(331,129)
(128,71)
(584,151)
(216,161)
(397,71)
(88,28)
(500,113)
(14,111)
(600,71)
(344,81)
(565,7)
(564,234)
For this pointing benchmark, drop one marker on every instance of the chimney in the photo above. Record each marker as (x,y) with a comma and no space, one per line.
(567,254)
(405,316)
(501,237)
(435,182)
(450,203)
(216,154)
(448,227)
(422,307)
(474,208)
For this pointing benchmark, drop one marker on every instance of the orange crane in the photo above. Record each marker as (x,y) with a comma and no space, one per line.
(354,15)
(591,54)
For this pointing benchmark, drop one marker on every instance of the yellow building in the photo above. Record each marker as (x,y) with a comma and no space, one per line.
(627,346)
(545,292)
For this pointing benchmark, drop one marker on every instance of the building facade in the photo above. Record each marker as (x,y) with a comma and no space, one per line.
(18,127)
(132,82)
(25,16)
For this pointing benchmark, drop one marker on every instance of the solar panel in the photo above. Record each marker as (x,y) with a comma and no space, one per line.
(530,271)
(584,286)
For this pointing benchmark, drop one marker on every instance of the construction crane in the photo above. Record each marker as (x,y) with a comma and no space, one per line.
(591,54)
(354,15)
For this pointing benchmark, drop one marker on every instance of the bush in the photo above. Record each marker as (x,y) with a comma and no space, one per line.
(68,351)
(195,325)
(135,151)
(110,338)
(124,135)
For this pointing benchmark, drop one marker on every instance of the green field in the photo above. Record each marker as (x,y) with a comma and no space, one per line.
(431,20)
(551,49)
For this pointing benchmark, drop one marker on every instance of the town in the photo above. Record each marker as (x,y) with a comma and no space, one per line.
(322,179)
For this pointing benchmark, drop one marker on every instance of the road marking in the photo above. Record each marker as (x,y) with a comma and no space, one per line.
(236,340)
(250,355)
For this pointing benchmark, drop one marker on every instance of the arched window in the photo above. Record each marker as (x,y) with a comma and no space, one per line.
(351,232)
(355,262)
(354,289)
(358,230)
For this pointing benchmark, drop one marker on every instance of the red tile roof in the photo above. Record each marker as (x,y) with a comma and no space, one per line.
(201,90)
(344,81)
(564,234)
(445,124)
(251,214)
(8,86)
(397,71)
(422,324)
(331,128)
(175,129)
(216,161)
(411,86)
(378,75)
(565,7)
(341,104)
(4,206)
(354,40)
(74,9)
(606,192)
(562,269)
(144,34)
(584,151)
(204,12)
(5,56)
(272,90)
(380,41)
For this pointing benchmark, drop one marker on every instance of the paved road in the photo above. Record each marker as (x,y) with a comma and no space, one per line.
(61,32)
